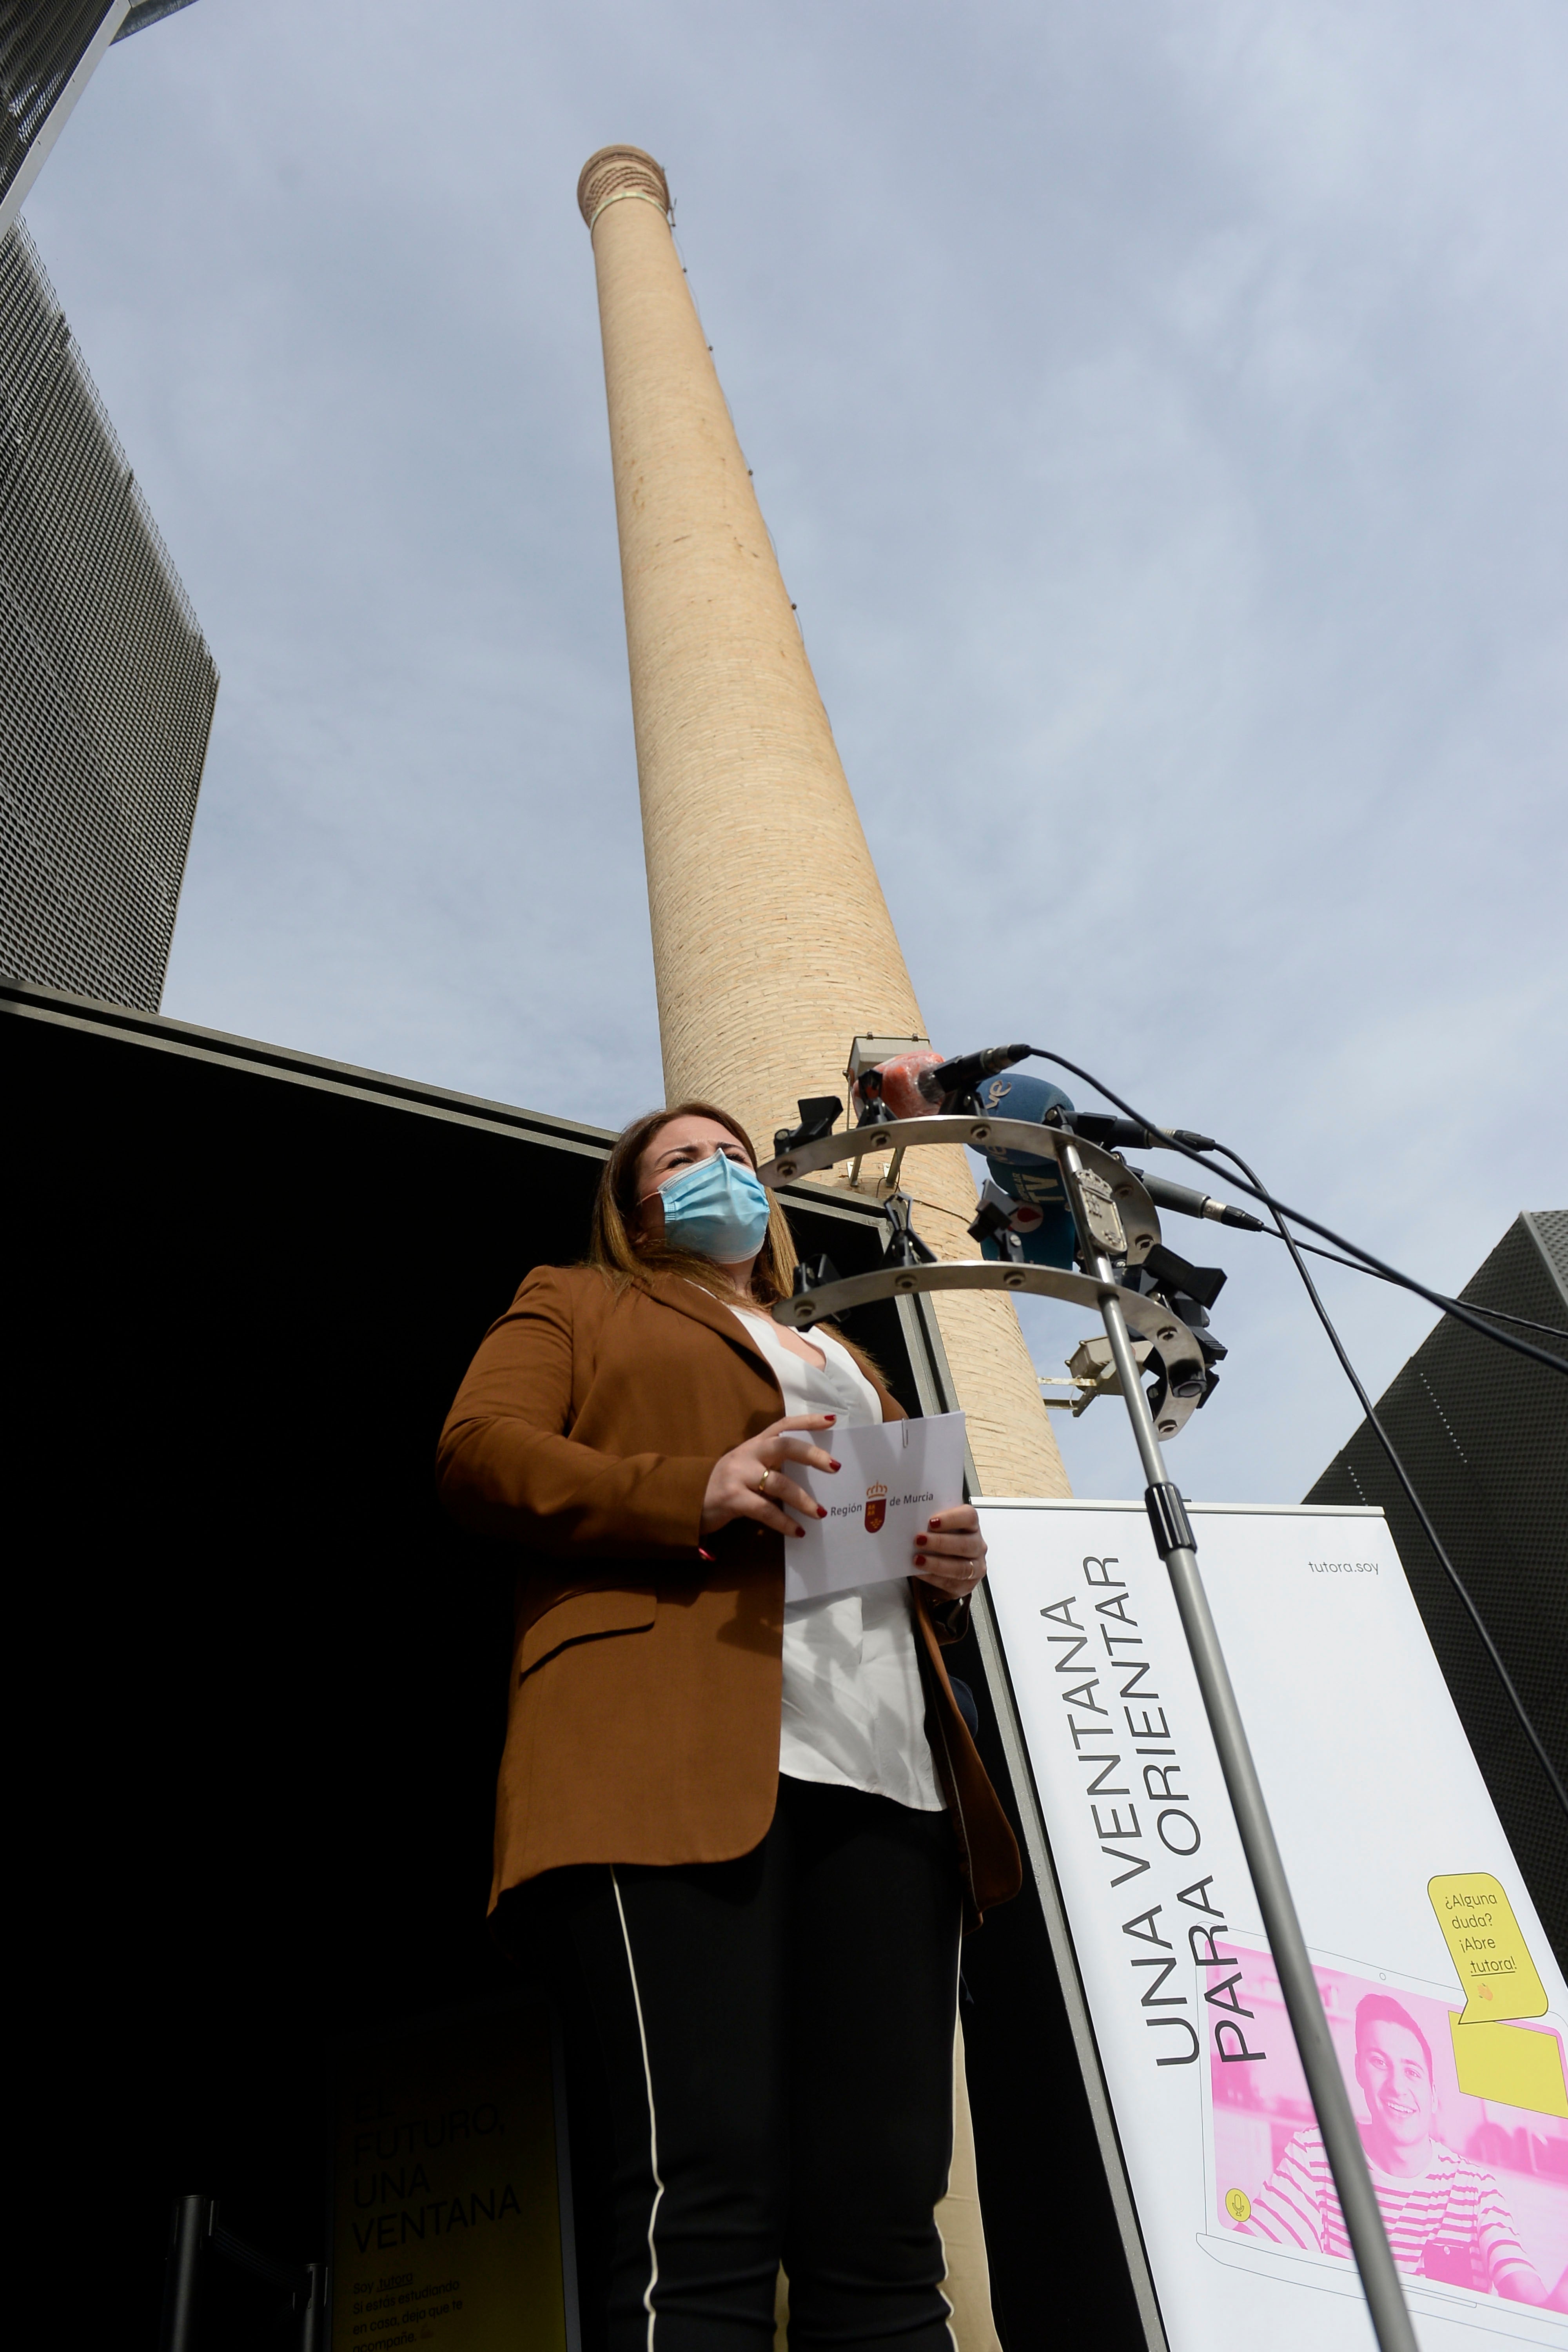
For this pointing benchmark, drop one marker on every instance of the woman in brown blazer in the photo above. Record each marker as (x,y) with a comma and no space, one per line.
(739,1837)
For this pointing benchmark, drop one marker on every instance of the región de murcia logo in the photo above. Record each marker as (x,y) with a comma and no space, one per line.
(876,1507)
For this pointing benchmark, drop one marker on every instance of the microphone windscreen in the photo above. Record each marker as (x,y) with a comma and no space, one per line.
(900,1084)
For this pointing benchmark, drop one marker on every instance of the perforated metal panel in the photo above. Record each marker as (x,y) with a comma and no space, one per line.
(107,687)
(1483,1434)
(42,42)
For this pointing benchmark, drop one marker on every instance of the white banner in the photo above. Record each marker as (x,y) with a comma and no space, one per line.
(1447,2010)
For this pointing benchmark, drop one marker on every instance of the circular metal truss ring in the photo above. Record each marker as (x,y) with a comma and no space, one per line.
(1147,1319)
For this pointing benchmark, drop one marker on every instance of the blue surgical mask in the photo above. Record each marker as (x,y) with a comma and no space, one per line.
(717,1208)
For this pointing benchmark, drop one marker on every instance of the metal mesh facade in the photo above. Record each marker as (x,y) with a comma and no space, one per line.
(107,685)
(41,47)
(1484,1435)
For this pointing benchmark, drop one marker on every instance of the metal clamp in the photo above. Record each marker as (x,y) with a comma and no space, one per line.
(1168,1518)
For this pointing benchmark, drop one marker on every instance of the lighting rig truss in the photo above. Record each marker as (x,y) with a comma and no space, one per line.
(1110,1204)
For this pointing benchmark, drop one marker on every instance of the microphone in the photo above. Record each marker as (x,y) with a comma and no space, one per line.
(961,1076)
(951,1085)
(1110,1133)
(1114,1134)
(1188,1203)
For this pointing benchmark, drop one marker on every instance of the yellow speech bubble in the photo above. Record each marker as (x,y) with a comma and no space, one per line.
(1497,1975)
(1511,2064)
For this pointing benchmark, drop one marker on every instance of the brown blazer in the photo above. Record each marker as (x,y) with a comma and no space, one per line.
(643,1721)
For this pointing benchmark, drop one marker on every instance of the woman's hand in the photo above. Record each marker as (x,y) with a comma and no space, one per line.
(747,1483)
(949,1551)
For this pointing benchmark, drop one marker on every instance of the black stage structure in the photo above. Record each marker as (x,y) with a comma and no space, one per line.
(264,1679)
(1483,1434)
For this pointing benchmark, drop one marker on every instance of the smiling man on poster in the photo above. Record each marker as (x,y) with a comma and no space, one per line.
(1445,2217)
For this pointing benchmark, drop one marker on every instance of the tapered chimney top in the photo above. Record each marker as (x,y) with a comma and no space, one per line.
(618,172)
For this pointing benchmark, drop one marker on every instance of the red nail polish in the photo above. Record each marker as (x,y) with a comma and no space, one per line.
(833,1466)
(933,1523)
(822,1511)
(830,1418)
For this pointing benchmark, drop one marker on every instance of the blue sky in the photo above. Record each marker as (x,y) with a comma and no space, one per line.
(1158,415)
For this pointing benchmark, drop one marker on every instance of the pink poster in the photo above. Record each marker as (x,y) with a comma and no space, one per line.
(1473,2190)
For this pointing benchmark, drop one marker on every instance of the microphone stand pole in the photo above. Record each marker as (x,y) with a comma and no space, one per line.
(1175,1543)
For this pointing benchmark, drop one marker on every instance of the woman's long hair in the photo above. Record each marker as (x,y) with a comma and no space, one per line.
(618,1251)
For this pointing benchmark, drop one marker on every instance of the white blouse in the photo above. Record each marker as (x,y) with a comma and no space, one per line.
(853,1708)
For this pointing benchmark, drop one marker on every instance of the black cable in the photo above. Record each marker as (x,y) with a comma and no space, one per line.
(1552,1330)
(1240,1221)
(1401,1474)
(1389,1274)
(1277,1209)
(1363,1262)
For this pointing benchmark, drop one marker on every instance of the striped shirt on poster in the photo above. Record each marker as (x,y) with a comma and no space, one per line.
(1453,2201)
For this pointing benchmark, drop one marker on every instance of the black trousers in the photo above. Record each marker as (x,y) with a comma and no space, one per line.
(761,2060)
